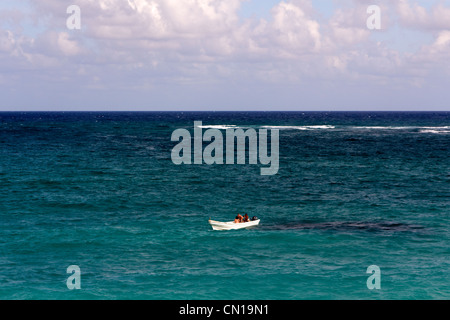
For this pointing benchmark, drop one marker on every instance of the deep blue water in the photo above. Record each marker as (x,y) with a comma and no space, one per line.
(99,190)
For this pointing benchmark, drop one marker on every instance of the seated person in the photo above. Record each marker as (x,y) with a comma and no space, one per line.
(238,218)
(246,219)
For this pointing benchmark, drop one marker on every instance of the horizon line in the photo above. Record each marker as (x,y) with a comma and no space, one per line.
(274,111)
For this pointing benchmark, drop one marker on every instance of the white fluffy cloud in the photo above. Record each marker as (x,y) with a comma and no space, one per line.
(7,41)
(414,15)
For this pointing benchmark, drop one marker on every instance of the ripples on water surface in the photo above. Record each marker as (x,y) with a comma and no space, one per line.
(99,190)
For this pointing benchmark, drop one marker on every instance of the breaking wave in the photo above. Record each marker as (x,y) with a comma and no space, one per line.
(413,129)
(224,127)
(305,128)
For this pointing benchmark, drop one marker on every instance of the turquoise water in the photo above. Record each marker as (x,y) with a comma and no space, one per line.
(99,190)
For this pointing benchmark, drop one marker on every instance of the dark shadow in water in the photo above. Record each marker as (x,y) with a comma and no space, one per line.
(346,226)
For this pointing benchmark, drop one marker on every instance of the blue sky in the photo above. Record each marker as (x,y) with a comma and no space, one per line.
(258,9)
(224,55)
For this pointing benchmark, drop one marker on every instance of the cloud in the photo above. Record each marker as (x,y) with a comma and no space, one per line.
(293,29)
(418,17)
(7,41)
(141,45)
(68,46)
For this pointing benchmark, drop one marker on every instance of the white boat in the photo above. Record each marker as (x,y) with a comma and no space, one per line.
(217,225)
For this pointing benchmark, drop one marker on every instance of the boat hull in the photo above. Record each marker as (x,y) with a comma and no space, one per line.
(217,225)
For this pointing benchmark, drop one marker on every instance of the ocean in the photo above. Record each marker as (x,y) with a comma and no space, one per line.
(99,190)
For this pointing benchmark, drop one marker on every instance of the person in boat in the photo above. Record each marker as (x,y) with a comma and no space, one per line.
(239,218)
(246,218)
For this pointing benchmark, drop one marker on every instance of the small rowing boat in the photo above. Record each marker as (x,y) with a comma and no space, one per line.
(217,225)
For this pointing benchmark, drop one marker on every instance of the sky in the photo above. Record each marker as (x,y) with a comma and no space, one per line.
(236,55)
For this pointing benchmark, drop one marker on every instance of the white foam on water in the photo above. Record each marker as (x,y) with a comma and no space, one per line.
(441,130)
(386,128)
(224,127)
(435,131)
(300,127)
(424,129)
